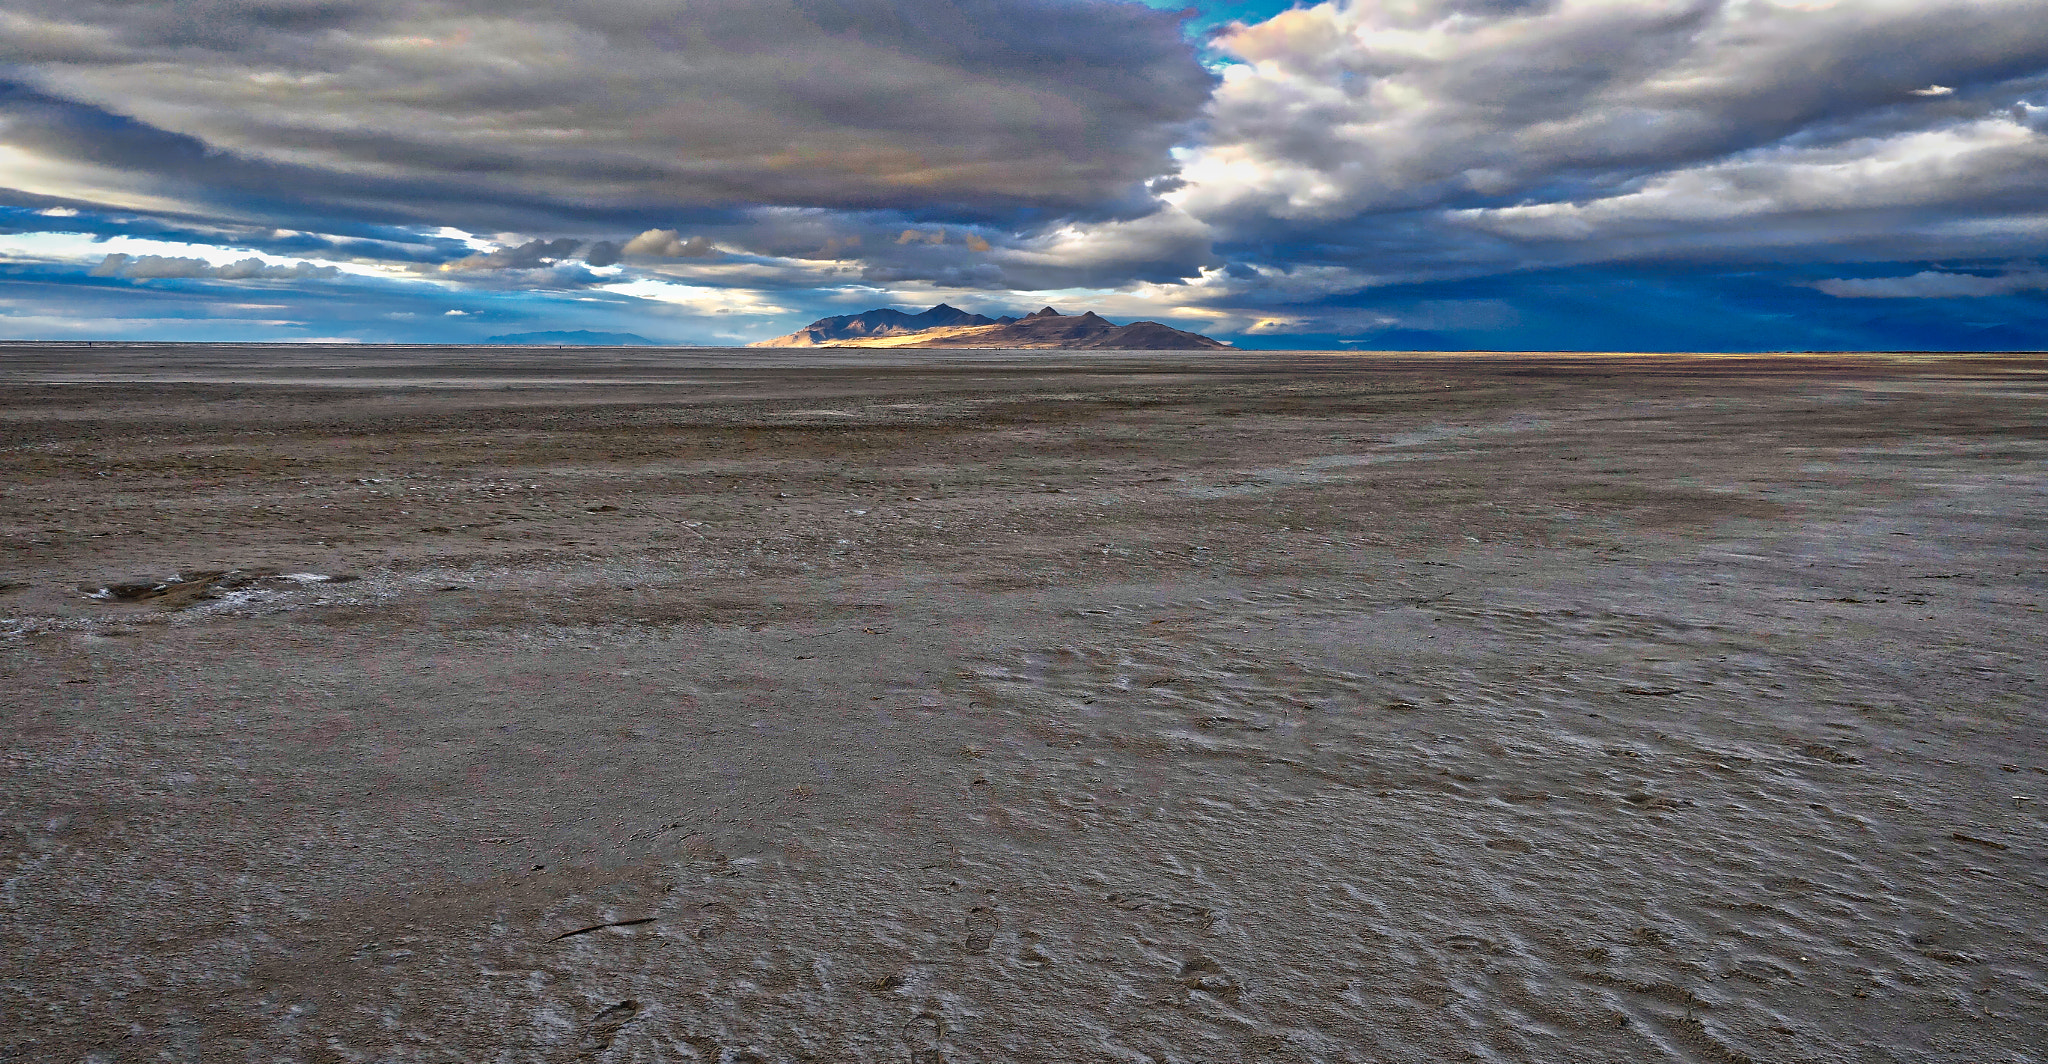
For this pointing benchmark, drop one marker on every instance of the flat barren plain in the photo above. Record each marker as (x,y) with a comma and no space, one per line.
(474,705)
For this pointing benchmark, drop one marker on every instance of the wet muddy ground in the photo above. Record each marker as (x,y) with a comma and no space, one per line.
(448,705)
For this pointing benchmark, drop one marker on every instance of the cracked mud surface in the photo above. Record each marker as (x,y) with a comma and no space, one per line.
(736,707)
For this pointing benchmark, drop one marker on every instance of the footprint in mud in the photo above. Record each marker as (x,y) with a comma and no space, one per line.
(1758,970)
(981,929)
(1168,909)
(715,916)
(1216,721)
(607,1024)
(925,1034)
(1831,754)
(1469,944)
(1031,956)
(701,848)
(1198,972)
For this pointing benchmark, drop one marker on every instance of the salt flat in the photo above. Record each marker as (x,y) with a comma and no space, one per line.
(968,706)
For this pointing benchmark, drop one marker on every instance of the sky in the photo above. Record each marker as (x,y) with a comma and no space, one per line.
(1379,174)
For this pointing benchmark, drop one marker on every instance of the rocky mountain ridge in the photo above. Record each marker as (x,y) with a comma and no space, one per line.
(946,326)
(881,322)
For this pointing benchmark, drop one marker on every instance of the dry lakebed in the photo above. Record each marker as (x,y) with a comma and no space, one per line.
(627,705)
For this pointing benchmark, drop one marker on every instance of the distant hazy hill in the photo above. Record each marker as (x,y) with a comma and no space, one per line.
(876,323)
(576,338)
(944,326)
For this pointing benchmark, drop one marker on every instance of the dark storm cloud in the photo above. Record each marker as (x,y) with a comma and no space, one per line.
(95,157)
(654,245)
(617,105)
(1659,308)
(531,255)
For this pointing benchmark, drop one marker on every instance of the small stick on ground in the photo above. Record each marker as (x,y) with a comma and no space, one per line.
(600,927)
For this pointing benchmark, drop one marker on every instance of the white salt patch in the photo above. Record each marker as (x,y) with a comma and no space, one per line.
(236,599)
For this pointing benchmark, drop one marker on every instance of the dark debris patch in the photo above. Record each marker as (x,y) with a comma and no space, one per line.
(186,588)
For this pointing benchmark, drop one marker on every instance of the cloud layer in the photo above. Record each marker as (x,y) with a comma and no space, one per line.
(621,106)
(1340,109)
(157,267)
(1429,171)
(1936,284)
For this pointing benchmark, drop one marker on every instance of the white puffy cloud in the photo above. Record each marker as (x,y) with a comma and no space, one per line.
(1337,108)
(1936,284)
(152,267)
(1860,190)
(701,299)
(1419,139)
(667,244)
(1162,246)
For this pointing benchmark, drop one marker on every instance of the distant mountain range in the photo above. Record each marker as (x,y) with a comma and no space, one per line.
(945,326)
(576,338)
